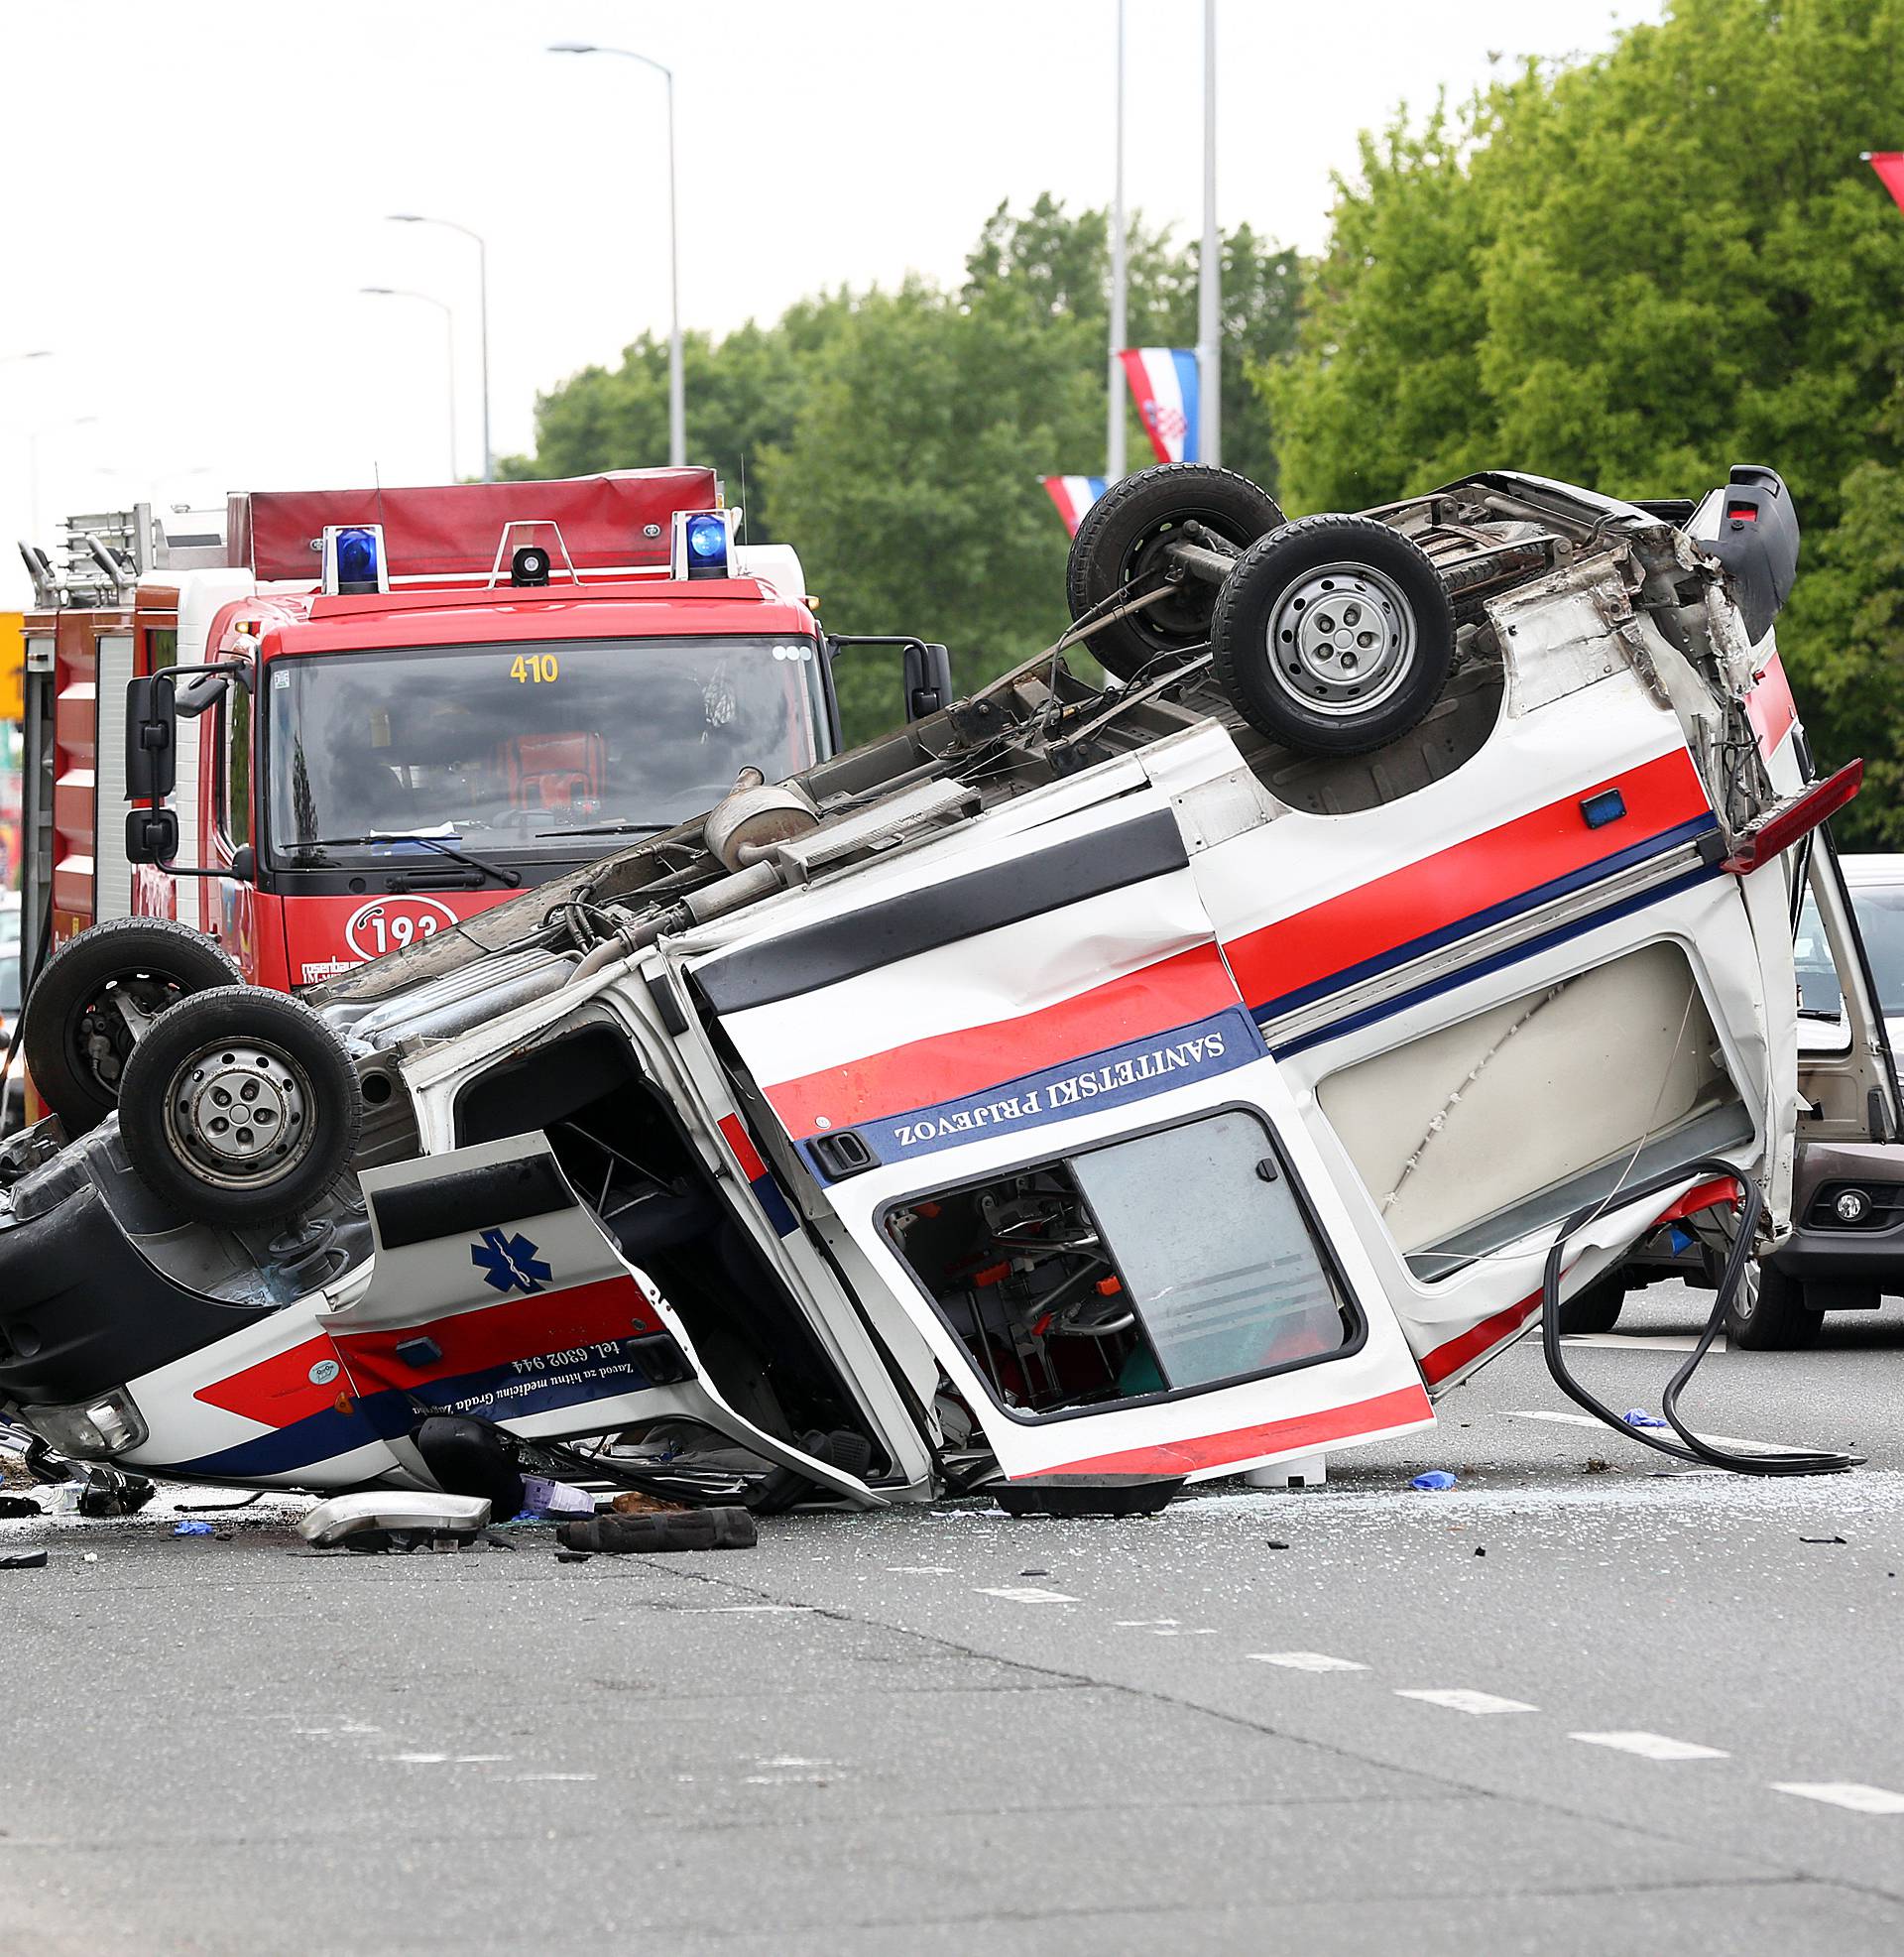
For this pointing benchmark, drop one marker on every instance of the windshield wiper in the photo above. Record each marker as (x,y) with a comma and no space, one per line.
(613,830)
(507,877)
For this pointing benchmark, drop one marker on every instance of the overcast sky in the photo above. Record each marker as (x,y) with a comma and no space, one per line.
(196,192)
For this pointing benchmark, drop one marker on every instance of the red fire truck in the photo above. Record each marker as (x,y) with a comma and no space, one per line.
(361,716)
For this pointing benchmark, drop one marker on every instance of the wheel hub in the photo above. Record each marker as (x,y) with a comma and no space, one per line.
(1341,639)
(239,1111)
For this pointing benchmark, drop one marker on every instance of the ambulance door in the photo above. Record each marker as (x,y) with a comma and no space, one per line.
(495,1292)
(1024,1082)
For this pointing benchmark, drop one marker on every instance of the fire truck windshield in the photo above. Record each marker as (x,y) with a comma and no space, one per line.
(515,747)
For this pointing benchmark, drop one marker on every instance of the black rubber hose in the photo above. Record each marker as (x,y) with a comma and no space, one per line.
(1795,1462)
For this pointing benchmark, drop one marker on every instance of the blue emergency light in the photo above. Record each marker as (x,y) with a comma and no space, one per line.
(357,560)
(354,558)
(707,545)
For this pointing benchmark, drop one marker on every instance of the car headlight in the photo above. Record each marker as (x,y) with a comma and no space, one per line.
(93,1430)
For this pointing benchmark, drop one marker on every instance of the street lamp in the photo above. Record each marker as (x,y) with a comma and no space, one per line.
(449,343)
(33,458)
(482,292)
(676,393)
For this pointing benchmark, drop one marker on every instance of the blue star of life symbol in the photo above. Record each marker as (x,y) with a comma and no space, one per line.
(509,1263)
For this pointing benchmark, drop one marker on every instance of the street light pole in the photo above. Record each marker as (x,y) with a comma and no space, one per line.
(677,388)
(449,344)
(1210,272)
(482,305)
(1113,459)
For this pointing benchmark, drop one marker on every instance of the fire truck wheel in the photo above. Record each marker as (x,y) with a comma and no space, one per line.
(94,1001)
(1119,555)
(1333,634)
(240,1106)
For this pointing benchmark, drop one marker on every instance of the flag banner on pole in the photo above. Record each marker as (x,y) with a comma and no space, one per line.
(1163,384)
(1073,495)
(1889,165)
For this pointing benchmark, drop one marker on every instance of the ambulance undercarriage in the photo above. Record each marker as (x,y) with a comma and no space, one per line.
(1073,1084)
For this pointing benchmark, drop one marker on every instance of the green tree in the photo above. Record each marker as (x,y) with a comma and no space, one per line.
(1633,271)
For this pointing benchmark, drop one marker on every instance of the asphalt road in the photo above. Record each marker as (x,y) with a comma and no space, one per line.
(945,1731)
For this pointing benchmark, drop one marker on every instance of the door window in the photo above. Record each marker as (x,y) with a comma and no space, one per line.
(234,764)
(1163,1264)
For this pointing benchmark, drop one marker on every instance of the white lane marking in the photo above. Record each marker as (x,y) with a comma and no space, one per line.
(746,1609)
(1460,1699)
(1854,1794)
(920,1569)
(1028,1594)
(1306,1661)
(1651,1746)
(1640,1341)
(519,1779)
(1716,1439)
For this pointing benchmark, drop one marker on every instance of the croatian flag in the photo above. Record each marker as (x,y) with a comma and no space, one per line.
(1163,384)
(1073,495)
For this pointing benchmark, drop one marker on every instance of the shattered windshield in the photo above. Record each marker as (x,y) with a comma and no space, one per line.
(524,746)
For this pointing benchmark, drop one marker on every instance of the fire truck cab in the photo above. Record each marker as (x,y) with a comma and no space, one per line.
(359,717)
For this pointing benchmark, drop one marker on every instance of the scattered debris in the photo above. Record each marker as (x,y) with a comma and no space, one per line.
(648,1536)
(24,1559)
(1596,1466)
(1274,1545)
(632,1502)
(544,1498)
(1435,1478)
(386,1513)
(1637,1416)
(1086,1495)
(1479,1551)
(189,1527)
(12,1507)
(1821,1538)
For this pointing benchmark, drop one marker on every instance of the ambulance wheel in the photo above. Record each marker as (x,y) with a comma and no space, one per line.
(1118,553)
(1767,1313)
(1596,1308)
(93,1003)
(240,1106)
(1334,635)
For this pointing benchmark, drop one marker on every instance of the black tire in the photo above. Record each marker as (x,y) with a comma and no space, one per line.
(1597,1309)
(1121,543)
(1337,593)
(1768,1312)
(280,1149)
(76,1040)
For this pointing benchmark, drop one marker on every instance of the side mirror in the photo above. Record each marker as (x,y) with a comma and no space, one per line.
(151,834)
(1757,543)
(152,744)
(244,864)
(928,679)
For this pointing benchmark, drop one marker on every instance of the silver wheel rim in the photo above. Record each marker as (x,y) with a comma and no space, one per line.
(238,1113)
(1341,639)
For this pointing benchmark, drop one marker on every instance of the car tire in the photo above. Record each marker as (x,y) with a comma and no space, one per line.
(240,1106)
(1769,1314)
(77,1046)
(1333,634)
(1121,543)
(1597,1307)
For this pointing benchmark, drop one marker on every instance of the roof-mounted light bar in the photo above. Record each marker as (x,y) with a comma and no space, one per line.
(1777,832)
(354,560)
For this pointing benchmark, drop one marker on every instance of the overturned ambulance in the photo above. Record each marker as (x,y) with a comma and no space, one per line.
(1164,1081)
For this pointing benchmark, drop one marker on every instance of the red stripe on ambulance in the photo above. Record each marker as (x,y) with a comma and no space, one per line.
(1462,879)
(922,1073)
